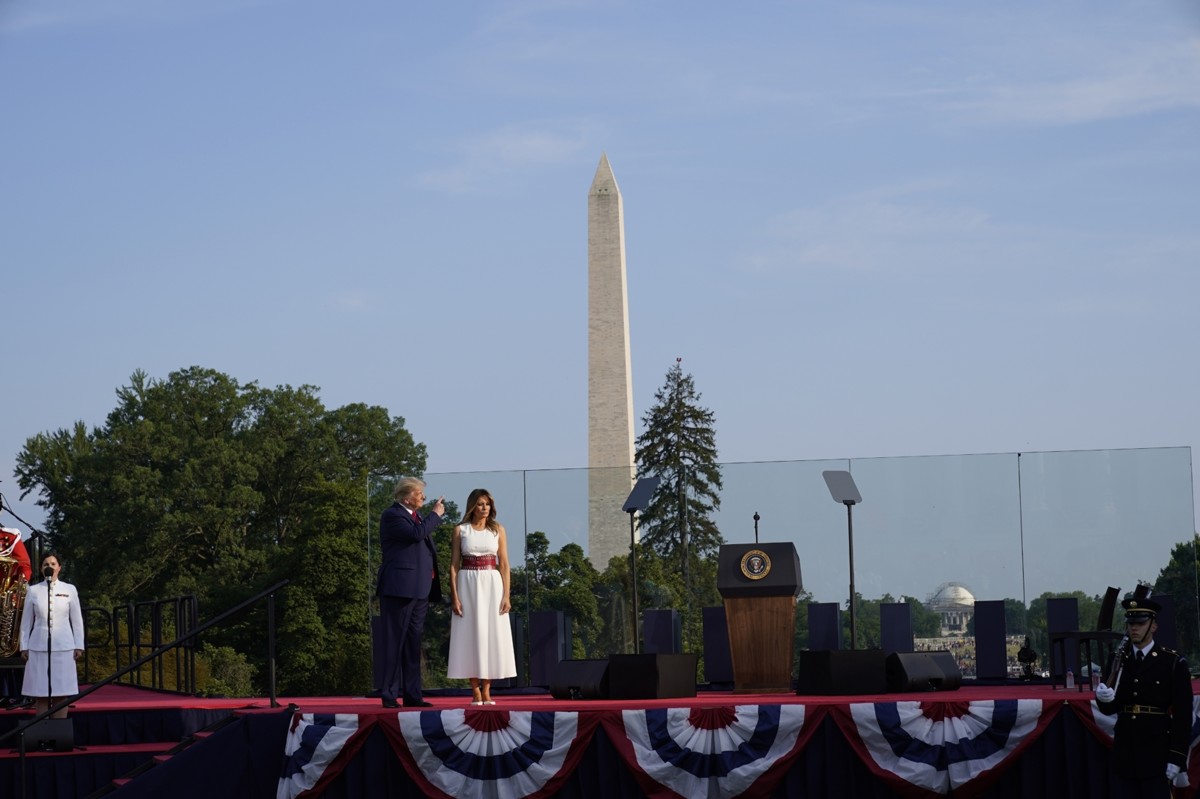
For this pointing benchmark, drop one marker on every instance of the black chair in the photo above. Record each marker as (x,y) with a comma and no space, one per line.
(1103,637)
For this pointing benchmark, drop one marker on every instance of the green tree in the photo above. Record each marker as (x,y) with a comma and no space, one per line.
(1179,580)
(1089,610)
(528,592)
(927,623)
(866,621)
(199,485)
(570,585)
(323,633)
(660,586)
(566,581)
(613,592)
(800,634)
(678,445)
(1016,618)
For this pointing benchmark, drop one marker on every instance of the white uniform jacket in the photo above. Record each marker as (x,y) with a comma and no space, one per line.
(61,607)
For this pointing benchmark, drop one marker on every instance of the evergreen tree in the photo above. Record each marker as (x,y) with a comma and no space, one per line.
(678,445)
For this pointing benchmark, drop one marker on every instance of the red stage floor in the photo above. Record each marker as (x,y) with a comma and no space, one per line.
(977,741)
(121,697)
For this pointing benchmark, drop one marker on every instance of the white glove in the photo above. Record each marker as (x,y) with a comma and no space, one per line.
(1181,780)
(1172,772)
(1106,694)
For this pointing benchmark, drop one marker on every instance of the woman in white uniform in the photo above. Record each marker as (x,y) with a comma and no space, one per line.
(481,647)
(51,638)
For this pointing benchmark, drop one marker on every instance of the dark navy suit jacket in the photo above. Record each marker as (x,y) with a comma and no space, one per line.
(409,565)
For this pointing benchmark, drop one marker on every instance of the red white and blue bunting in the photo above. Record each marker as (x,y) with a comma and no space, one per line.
(492,753)
(708,752)
(940,747)
(1102,726)
(920,749)
(313,743)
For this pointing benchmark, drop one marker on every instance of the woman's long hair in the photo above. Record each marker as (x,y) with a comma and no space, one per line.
(475,496)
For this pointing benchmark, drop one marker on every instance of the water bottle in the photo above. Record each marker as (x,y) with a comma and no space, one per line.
(1070,679)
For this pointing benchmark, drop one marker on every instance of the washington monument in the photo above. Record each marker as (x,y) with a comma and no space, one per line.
(610,380)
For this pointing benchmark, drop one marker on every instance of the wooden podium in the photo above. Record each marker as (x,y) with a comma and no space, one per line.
(759,583)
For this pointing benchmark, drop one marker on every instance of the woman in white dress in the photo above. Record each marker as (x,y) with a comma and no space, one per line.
(481,647)
(51,637)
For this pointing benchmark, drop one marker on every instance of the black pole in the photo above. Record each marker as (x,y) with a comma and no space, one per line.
(633,572)
(756,518)
(528,599)
(271,646)
(850,528)
(639,499)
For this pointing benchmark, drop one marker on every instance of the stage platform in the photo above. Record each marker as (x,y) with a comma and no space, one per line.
(991,742)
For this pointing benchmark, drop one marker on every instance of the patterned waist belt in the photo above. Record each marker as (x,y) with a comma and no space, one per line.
(479,561)
(1148,710)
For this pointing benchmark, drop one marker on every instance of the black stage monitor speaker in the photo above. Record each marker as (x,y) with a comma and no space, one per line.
(652,676)
(718,660)
(922,671)
(50,735)
(991,649)
(842,672)
(549,643)
(580,679)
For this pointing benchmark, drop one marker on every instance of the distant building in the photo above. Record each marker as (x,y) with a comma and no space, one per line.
(955,605)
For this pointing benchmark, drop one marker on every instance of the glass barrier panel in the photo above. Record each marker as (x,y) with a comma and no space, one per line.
(1005,526)
(928,521)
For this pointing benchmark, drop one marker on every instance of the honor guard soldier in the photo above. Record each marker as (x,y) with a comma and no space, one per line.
(1151,696)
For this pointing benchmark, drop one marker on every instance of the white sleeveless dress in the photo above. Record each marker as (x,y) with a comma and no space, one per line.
(481,639)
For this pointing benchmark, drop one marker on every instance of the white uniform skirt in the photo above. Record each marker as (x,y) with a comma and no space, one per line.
(66,679)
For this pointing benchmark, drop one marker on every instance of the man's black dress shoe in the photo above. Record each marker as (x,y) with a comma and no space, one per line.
(418,703)
(390,703)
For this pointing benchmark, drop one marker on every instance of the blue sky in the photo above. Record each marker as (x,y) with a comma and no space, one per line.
(869,229)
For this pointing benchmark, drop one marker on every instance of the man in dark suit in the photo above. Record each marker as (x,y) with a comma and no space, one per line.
(408,580)
(1152,698)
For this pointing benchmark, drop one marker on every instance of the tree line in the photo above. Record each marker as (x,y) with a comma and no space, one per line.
(199,485)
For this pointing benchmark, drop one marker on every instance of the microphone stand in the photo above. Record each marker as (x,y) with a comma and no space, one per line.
(49,640)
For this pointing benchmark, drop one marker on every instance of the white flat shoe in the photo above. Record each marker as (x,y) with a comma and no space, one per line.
(488,702)
(477,704)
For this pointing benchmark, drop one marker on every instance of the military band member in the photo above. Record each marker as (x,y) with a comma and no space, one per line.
(15,571)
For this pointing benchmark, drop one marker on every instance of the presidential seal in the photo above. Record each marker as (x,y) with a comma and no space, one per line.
(756,564)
